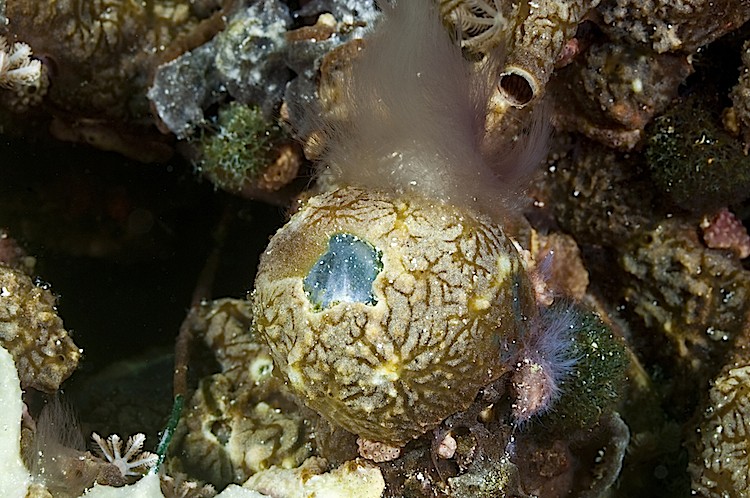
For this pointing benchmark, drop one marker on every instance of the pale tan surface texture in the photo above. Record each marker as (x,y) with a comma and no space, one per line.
(444,321)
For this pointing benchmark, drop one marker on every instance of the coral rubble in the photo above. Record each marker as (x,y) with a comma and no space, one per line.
(612,91)
(355,479)
(240,421)
(244,60)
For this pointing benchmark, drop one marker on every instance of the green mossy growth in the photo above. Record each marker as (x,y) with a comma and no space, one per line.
(693,159)
(236,147)
(597,380)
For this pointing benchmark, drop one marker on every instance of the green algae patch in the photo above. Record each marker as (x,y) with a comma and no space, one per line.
(596,383)
(694,160)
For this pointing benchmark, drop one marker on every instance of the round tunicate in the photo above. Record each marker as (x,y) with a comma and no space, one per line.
(386,315)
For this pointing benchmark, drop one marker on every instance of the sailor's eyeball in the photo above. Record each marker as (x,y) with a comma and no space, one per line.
(387,315)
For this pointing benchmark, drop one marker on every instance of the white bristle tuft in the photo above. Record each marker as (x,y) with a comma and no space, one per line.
(418,118)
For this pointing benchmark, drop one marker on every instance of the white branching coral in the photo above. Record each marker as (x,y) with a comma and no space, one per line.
(134,462)
(17,68)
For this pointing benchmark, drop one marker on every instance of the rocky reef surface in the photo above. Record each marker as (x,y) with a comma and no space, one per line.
(576,324)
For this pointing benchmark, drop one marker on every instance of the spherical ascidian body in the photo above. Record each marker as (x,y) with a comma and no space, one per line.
(386,315)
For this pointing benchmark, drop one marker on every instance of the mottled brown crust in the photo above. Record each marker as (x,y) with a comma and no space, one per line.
(239,421)
(737,119)
(612,92)
(672,25)
(99,56)
(101,50)
(30,329)
(719,464)
(696,297)
(444,317)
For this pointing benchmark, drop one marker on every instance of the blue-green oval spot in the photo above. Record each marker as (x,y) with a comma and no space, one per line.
(344,273)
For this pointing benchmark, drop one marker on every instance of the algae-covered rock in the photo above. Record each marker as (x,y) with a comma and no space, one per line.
(739,113)
(696,297)
(594,386)
(599,196)
(241,149)
(671,26)
(693,159)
